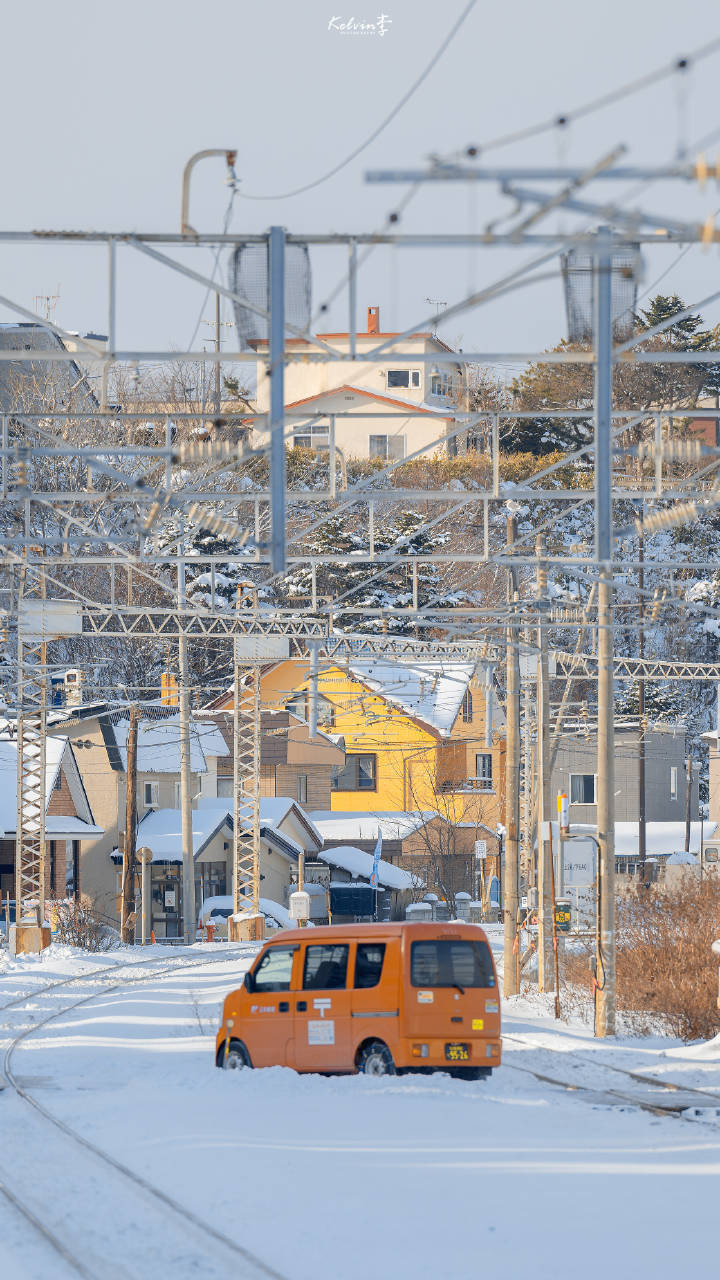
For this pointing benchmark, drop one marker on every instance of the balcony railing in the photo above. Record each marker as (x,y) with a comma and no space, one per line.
(466,784)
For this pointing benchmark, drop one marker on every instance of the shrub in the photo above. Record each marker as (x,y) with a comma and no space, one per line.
(78,925)
(667,976)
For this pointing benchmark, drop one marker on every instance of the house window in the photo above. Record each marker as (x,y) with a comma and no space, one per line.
(442,384)
(297,705)
(483,770)
(224,788)
(313,436)
(178,797)
(403,377)
(467,708)
(302,788)
(358,774)
(151,794)
(582,788)
(387,447)
(673,782)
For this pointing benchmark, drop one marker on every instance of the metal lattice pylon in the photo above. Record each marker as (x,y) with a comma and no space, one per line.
(31,739)
(246,789)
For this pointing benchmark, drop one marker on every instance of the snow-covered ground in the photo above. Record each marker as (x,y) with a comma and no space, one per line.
(339,1177)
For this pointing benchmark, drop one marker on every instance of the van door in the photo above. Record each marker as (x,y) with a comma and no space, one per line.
(267,1025)
(451,977)
(322,1008)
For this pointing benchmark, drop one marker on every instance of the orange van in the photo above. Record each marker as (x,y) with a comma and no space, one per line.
(377,998)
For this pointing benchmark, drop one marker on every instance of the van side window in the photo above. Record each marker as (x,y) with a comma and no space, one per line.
(451,962)
(274,970)
(369,963)
(325,967)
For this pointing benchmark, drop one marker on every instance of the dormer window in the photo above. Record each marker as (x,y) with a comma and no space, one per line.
(403,378)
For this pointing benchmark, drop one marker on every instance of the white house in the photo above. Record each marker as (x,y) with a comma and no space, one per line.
(382,408)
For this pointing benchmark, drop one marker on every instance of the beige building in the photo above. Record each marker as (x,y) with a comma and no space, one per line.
(99,740)
(377,408)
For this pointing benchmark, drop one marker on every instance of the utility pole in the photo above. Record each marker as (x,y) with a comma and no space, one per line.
(127,931)
(218,392)
(512,780)
(688,800)
(605,995)
(188,852)
(642,817)
(188,857)
(544,808)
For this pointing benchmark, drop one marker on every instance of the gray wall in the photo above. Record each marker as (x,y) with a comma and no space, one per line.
(663,751)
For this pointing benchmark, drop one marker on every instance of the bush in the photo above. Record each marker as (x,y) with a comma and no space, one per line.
(78,925)
(667,976)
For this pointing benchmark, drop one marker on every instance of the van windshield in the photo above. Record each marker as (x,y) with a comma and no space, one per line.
(451,962)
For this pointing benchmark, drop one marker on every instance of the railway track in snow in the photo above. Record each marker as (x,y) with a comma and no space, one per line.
(197,1247)
(681,1102)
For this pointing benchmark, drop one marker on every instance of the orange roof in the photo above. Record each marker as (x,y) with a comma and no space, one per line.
(371,395)
(303,342)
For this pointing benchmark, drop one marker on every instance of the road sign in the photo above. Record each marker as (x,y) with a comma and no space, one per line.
(481,850)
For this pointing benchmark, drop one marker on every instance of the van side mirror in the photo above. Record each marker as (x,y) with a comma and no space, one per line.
(249,981)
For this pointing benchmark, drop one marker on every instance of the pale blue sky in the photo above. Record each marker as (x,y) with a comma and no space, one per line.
(104,104)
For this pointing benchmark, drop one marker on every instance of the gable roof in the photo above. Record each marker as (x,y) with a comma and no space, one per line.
(421,407)
(431,692)
(58,755)
(350,825)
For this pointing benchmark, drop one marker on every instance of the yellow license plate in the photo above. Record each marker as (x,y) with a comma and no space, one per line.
(457,1052)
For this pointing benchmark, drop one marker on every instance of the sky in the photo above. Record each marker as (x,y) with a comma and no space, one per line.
(104,105)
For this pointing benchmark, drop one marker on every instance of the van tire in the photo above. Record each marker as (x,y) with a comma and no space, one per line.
(376,1060)
(233,1056)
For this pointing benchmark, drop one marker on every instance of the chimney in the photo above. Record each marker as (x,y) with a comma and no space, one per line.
(373,320)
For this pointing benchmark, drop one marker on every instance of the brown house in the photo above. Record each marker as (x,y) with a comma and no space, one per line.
(68,818)
(292,764)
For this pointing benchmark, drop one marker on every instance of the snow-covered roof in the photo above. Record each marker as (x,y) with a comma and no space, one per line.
(360,866)
(661,838)
(159,744)
(161,830)
(275,809)
(430,691)
(368,826)
(56,825)
(224,902)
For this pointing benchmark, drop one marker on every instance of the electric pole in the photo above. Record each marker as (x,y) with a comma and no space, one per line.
(127,931)
(544,808)
(642,817)
(688,800)
(218,393)
(188,858)
(605,995)
(512,780)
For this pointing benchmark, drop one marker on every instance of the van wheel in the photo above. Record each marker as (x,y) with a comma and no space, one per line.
(235,1058)
(471,1073)
(376,1060)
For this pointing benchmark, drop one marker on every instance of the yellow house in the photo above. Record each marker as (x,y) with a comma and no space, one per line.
(415,735)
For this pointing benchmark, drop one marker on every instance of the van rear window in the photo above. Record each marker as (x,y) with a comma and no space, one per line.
(451,962)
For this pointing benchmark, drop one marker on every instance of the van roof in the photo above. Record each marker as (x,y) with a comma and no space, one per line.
(392,929)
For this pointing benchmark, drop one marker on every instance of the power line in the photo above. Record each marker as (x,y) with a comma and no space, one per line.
(308,186)
(678,65)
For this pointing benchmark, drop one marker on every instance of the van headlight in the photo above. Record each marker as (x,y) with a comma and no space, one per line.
(229,1022)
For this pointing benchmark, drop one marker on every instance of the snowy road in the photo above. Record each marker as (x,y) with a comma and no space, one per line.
(345,1177)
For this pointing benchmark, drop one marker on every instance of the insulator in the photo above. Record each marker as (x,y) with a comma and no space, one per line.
(673,449)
